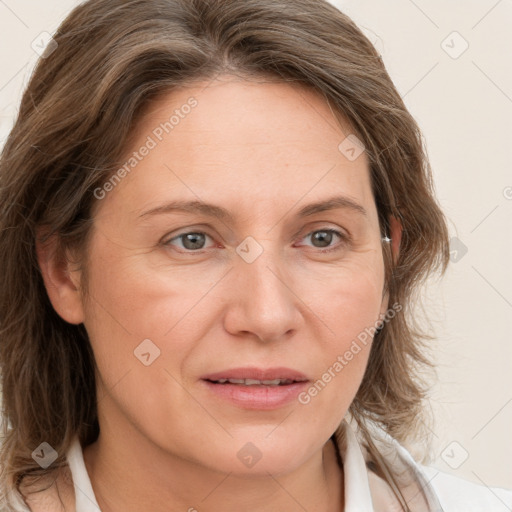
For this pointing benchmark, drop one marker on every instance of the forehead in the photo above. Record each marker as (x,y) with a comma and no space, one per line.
(232,111)
(252,140)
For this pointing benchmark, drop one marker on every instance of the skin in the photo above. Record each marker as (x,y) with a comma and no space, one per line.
(263,151)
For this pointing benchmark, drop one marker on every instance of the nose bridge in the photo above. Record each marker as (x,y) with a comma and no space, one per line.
(265,278)
(264,303)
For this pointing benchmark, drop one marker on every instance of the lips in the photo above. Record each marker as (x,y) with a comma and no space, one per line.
(256,388)
(257,376)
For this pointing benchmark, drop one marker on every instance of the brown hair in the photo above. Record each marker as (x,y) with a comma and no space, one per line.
(75,118)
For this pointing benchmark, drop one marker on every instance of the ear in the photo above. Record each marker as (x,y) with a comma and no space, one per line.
(61,281)
(396,236)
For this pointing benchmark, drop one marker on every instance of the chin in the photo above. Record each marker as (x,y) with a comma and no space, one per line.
(259,455)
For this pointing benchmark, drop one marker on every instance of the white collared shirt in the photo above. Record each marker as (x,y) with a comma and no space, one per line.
(364,491)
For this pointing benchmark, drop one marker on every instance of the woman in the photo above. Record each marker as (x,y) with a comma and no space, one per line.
(215,215)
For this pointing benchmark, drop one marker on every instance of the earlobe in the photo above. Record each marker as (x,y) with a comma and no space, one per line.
(61,282)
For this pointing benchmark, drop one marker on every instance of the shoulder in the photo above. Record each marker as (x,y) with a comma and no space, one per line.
(442,490)
(456,494)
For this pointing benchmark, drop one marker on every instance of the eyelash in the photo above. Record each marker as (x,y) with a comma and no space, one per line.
(344,239)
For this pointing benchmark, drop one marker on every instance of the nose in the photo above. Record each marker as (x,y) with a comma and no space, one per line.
(262,301)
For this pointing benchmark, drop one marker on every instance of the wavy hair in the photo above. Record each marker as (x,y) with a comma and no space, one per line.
(75,119)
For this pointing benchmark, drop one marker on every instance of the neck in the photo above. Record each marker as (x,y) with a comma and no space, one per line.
(133,476)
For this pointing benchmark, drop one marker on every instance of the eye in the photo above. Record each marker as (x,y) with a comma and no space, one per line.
(323,238)
(192,241)
(195,241)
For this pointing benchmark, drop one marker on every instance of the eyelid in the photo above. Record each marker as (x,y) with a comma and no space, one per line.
(323,226)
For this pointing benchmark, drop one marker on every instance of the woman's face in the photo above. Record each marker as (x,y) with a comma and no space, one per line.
(261,288)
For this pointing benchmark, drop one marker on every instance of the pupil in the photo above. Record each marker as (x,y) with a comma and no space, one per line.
(324,237)
(193,240)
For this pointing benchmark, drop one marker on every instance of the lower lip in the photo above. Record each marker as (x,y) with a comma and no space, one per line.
(257,397)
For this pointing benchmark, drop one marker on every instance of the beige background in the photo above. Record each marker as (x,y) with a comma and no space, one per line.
(462,101)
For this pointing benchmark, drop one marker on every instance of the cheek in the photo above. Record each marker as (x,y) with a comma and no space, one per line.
(135,320)
(128,305)
(137,297)
(349,297)
(349,304)
(142,313)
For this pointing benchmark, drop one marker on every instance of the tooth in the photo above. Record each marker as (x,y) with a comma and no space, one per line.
(251,382)
(236,381)
(274,382)
(256,382)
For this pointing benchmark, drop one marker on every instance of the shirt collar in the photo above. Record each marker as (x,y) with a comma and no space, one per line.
(84,495)
(358,497)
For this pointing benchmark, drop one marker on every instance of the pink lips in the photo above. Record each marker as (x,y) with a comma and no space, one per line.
(257,396)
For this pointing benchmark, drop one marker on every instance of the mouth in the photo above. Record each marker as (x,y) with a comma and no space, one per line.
(255,382)
(253,388)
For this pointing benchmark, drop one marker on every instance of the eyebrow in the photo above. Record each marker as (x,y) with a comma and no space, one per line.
(212,210)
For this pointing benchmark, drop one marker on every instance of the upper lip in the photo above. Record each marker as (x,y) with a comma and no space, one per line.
(257,374)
